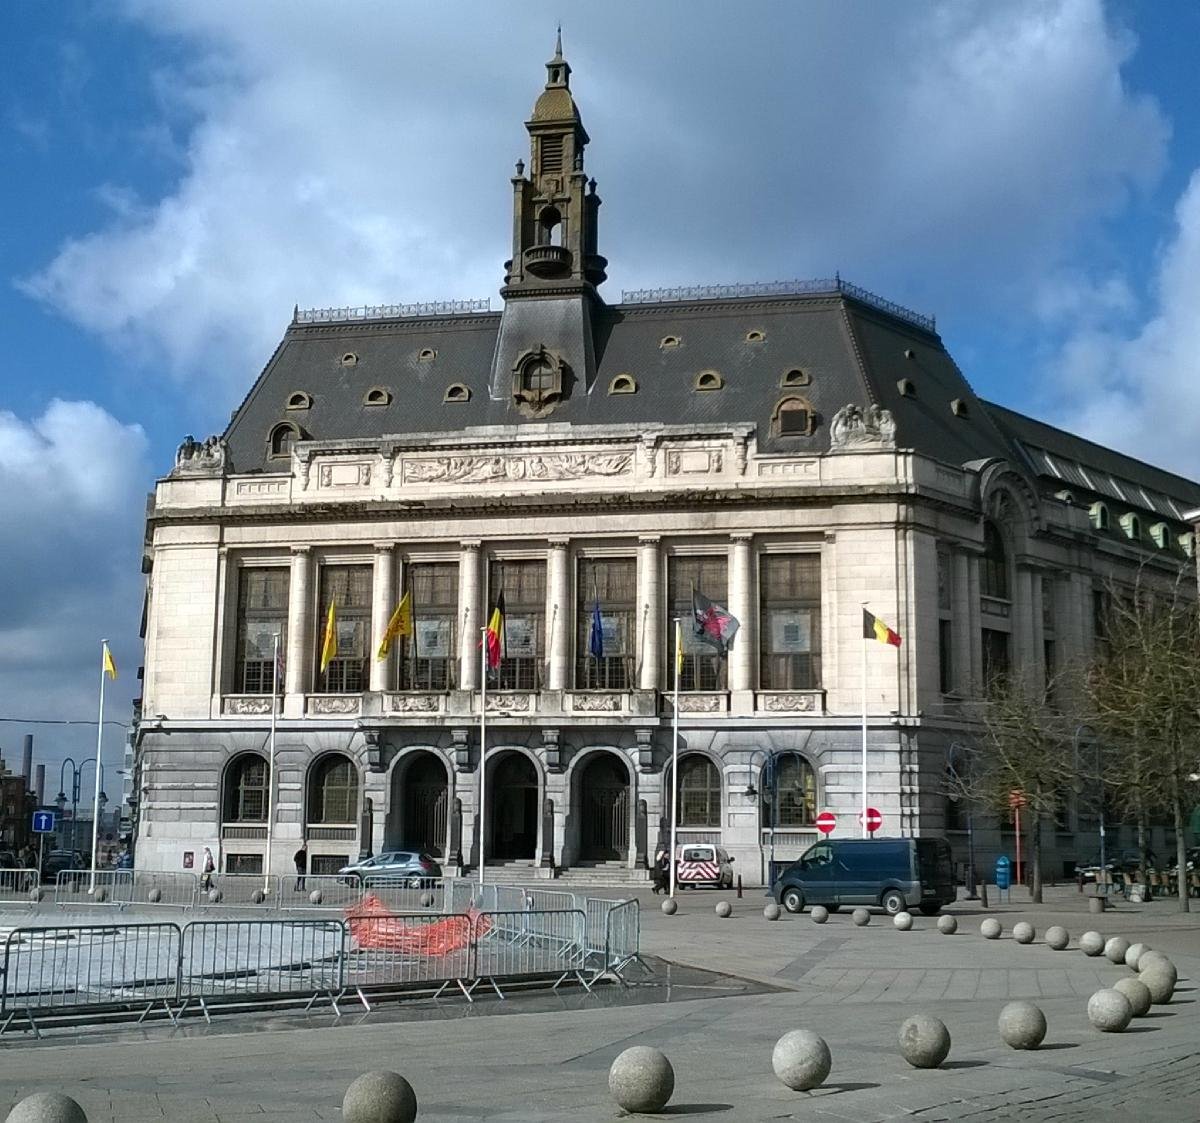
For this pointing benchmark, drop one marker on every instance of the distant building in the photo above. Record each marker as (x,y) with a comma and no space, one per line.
(791,452)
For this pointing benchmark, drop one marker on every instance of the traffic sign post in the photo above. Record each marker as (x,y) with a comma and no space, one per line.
(873,820)
(826,821)
(43,822)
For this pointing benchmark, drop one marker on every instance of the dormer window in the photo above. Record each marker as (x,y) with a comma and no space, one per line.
(795,377)
(755,336)
(1132,526)
(456,392)
(299,399)
(1187,543)
(669,342)
(907,387)
(426,355)
(1161,533)
(538,380)
(708,380)
(793,417)
(349,359)
(1098,513)
(282,438)
(377,396)
(623,384)
(958,407)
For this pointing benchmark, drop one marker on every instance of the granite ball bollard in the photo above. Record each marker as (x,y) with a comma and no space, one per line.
(924,1041)
(316,897)
(101,895)
(1115,949)
(990,929)
(47,1107)
(35,894)
(1109,1010)
(1023,932)
(723,909)
(1057,937)
(1091,943)
(947,925)
(641,1079)
(801,1060)
(379,1097)
(861,918)
(1160,978)
(214,896)
(1022,1025)
(1137,992)
(154,896)
(258,896)
(820,914)
(1133,953)
(771,911)
(670,906)
(426,900)
(903,921)
(1151,957)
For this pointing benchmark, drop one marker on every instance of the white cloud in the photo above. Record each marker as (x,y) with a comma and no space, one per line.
(72,486)
(948,154)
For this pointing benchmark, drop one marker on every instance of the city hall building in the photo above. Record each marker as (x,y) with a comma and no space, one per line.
(792,452)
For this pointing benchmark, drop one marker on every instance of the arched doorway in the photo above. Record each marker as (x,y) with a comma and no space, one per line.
(604,810)
(513,801)
(421,794)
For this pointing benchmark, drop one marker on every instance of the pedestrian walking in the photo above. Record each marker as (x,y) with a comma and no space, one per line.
(301,860)
(208,865)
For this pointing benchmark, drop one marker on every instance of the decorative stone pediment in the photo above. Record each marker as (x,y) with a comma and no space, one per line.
(854,428)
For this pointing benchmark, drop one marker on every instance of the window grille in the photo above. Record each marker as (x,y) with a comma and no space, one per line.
(523,644)
(790,621)
(703,667)
(349,587)
(427,657)
(612,581)
(262,611)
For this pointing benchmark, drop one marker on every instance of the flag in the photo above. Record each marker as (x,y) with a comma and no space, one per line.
(596,635)
(401,624)
(678,650)
(495,634)
(874,628)
(329,646)
(714,625)
(280,664)
(108,664)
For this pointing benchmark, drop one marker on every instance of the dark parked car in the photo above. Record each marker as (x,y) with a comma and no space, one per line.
(402,867)
(894,873)
(58,860)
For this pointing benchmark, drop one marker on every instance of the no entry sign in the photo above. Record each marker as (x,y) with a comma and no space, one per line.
(826,821)
(873,819)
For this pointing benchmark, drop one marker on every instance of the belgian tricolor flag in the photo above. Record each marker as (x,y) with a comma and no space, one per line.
(876,629)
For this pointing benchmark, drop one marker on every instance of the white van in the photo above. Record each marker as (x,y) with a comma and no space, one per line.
(700,864)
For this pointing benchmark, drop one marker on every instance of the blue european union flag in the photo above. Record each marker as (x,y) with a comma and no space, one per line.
(596,635)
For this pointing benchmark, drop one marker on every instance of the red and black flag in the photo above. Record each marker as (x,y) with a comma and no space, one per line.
(714,625)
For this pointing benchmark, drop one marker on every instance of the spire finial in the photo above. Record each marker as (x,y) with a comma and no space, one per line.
(558,43)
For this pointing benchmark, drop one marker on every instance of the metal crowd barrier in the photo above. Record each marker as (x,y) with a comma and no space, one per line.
(413,952)
(16,884)
(50,970)
(234,959)
(406,894)
(112,887)
(163,887)
(319,891)
(238,890)
(622,937)
(526,944)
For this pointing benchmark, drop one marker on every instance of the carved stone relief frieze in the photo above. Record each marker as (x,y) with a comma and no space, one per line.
(201,458)
(344,475)
(694,461)
(413,703)
(854,427)
(333,704)
(246,707)
(789,703)
(511,703)
(701,703)
(516,467)
(596,703)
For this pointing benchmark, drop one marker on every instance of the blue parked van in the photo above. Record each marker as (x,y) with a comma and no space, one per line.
(895,873)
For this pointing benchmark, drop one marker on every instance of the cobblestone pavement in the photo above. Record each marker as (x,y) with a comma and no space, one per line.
(854,986)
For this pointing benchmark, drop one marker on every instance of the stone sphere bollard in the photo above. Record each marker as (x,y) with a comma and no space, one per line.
(316,896)
(379,1097)
(820,914)
(214,896)
(1160,978)
(1109,1010)
(1022,1025)
(861,918)
(903,921)
(154,896)
(1057,938)
(641,1079)
(771,911)
(723,909)
(801,1060)
(258,896)
(924,1041)
(426,900)
(1023,932)
(670,906)
(101,895)
(1151,957)
(990,929)
(47,1107)
(1133,953)
(947,925)
(35,894)
(1091,943)
(1137,992)
(1115,949)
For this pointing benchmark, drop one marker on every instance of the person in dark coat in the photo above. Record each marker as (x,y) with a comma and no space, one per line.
(300,858)
(659,879)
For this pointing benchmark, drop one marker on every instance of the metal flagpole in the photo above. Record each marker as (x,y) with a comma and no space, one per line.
(271,768)
(99,745)
(482,749)
(675,754)
(864,733)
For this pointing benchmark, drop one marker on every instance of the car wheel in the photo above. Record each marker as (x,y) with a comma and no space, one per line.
(893,902)
(793,900)
(931,909)
(414,883)
(833,908)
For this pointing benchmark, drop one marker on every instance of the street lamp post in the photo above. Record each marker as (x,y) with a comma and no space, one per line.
(971,880)
(76,783)
(1100,781)
(771,786)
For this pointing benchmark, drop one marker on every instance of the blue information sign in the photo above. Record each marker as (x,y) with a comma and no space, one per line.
(1003,872)
(43,822)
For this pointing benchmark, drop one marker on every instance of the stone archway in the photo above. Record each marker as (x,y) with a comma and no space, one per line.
(421,795)
(512,809)
(604,802)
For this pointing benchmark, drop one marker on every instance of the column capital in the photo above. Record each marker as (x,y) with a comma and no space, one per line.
(742,536)
(470,543)
(384,547)
(301,551)
(649,539)
(558,543)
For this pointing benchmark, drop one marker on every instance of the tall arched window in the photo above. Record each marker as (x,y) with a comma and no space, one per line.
(283,436)
(993,566)
(245,796)
(333,790)
(699,792)
(789,792)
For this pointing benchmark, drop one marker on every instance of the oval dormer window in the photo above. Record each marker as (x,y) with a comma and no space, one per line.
(377,396)
(708,380)
(456,392)
(299,399)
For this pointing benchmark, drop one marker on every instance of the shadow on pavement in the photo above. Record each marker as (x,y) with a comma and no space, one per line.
(695,1109)
(963,1064)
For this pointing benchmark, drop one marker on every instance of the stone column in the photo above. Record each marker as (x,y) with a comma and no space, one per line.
(383,603)
(975,625)
(470,590)
(1026,647)
(300,609)
(960,609)
(560,615)
(741,604)
(1036,625)
(649,613)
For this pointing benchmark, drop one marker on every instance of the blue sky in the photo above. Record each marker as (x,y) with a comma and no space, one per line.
(179,175)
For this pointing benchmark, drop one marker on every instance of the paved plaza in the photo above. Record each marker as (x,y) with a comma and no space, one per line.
(547,1058)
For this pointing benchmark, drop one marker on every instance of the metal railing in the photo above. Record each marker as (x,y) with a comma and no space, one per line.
(391,311)
(164,888)
(112,887)
(406,953)
(15,885)
(528,943)
(622,936)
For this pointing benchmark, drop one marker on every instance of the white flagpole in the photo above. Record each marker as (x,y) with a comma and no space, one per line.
(483,662)
(864,733)
(99,745)
(675,754)
(271,768)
